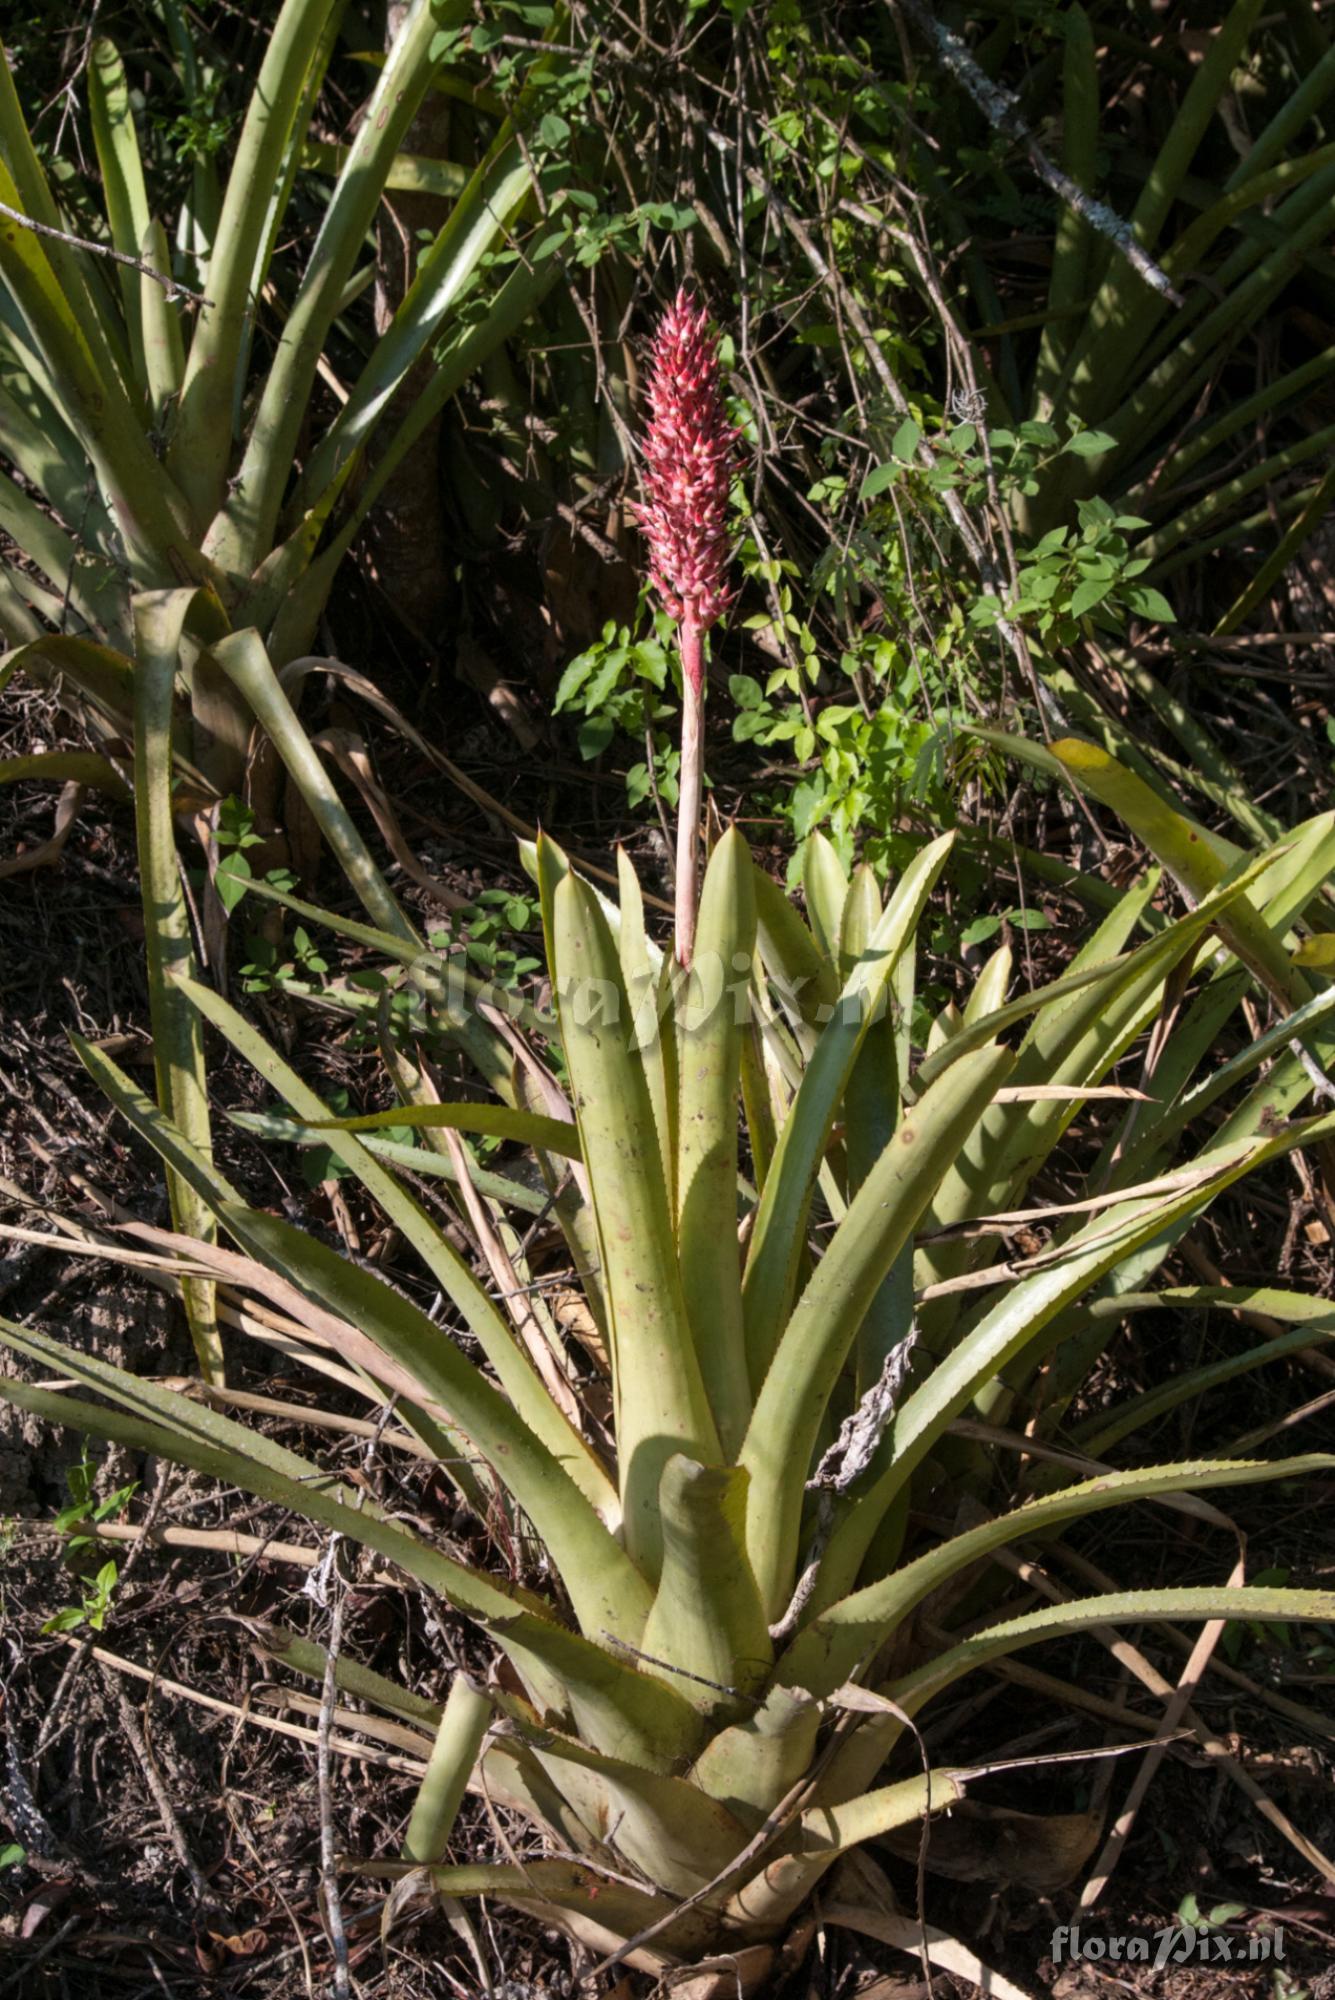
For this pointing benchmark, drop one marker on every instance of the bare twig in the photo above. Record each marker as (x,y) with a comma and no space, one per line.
(170,285)
(43,1951)
(998,106)
(134,1736)
(341,1746)
(333,1902)
(1174,1709)
(1131,1658)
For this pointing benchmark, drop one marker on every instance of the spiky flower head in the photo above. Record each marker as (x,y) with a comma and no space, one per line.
(688,455)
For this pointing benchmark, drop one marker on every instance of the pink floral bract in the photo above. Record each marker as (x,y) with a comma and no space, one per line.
(688,464)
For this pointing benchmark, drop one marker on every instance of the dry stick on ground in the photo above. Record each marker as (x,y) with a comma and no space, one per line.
(1135,1661)
(1187,1685)
(1053,1689)
(225,1541)
(134,1736)
(333,1902)
(19,1982)
(993,1435)
(948,1952)
(343,1746)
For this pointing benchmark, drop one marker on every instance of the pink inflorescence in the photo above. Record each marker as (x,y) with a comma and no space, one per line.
(688,457)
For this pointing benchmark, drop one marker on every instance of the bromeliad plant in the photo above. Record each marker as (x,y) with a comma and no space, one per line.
(798,1292)
(169,555)
(154,437)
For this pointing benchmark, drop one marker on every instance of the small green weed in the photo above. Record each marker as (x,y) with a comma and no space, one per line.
(98,1588)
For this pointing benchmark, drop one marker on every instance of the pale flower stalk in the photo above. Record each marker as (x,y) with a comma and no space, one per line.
(688,456)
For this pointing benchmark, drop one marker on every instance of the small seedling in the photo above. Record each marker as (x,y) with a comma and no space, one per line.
(83,1508)
(235,832)
(1189,1914)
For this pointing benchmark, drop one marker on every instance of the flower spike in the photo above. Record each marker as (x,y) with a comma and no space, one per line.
(688,458)
(688,452)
